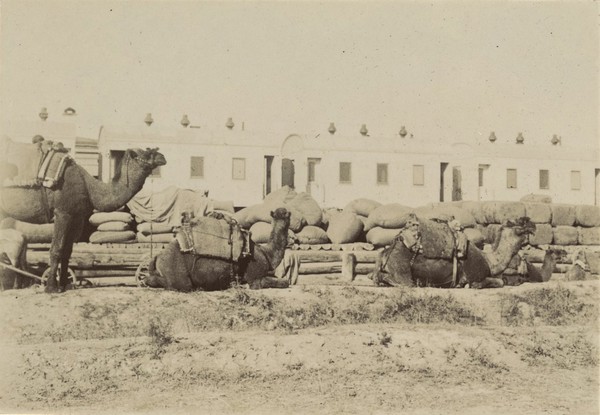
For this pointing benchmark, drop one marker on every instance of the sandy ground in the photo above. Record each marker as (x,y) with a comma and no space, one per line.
(302,350)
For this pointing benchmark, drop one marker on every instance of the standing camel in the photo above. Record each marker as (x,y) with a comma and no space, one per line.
(400,265)
(176,270)
(71,202)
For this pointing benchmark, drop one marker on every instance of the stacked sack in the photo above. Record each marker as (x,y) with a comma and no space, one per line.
(112,227)
(155,232)
(305,219)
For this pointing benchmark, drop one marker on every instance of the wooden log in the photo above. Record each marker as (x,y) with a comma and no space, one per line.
(99,273)
(348,266)
(332,268)
(333,256)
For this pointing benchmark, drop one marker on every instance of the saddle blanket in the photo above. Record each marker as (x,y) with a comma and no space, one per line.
(215,238)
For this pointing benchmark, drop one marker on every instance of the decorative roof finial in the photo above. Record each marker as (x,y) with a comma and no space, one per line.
(363,129)
(185,121)
(520,138)
(403,132)
(229,124)
(492,137)
(148,120)
(43,114)
(69,111)
(331,128)
(556,140)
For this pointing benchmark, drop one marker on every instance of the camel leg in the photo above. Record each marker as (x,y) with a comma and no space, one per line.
(489,282)
(269,282)
(62,222)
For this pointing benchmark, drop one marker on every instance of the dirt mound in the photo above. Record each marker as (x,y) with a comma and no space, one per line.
(308,349)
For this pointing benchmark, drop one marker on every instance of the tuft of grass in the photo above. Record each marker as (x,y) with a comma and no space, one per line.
(160,335)
(555,306)
(481,357)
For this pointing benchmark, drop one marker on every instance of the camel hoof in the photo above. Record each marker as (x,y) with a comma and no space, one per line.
(50,289)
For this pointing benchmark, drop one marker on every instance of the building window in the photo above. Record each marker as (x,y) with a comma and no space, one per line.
(575,180)
(197,167)
(544,179)
(345,172)
(238,169)
(511,178)
(382,173)
(418,175)
(155,172)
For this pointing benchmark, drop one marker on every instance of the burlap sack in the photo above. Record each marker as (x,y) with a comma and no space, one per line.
(475,209)
(261,233)
(327,214)
(589,236)
(538,212)
(563,215)
(99,218)
(308,208)
(447,212)
(533,198)
(114,226)
(312,235)
(475,237)
(379,236)
(437,239)
(345,227)
(223,205)
(500,212)
(35,234)
(112,237)
(491,233)
(593,260)
(262,213)
(391,216)
(543,235)
(565,235)
(362,207)
(148,228)
(283,195)
(587,215)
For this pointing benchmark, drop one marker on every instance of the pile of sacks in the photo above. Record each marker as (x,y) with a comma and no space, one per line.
(306,218)
(112,227)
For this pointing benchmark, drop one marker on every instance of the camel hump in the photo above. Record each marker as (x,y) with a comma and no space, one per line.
(213,238)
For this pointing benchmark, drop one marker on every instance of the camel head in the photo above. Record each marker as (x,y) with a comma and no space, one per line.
(522,226)
(558,254)
(148,159)
(281,214)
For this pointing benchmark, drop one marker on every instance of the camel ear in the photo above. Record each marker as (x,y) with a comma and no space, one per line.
(288,214)
(272,214)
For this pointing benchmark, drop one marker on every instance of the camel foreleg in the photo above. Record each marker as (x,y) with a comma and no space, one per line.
(489,282)
(269,282)
(60,250)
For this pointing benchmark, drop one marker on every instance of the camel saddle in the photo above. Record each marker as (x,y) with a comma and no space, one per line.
(41,163)
(214,238)
(435,239)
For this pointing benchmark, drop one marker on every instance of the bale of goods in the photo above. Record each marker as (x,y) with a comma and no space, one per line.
(379,236)
(563,215)
(223,206)
(565,235)
(327,214)
(593,260)
(35,234)
(308,208)
(587,215)
(538,212)
(114,226)
(391,216)
(100,237)
(345,227)
(312,235)
(365,221)
(589,236)
(491,233)
(362,207)
(99,218)
(500,212)
(475,237)
(533,198)
(475,209)
(543,235)
(155,238)
(283,195)
(261,232)
(147,228)
(262,213)
(447,212)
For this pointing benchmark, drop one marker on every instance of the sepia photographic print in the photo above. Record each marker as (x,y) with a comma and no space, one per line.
(299,207)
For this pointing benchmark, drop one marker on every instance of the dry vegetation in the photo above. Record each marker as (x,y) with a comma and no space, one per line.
(520,350)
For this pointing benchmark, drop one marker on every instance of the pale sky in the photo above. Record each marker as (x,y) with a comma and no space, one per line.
(451,70)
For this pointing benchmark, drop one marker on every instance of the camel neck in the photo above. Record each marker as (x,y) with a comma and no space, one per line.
(547,266)
(278,241)
(507,246)
(107,197)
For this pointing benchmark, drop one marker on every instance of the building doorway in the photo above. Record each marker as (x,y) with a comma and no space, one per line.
(443,168)
(456,183)
(483,189)
(287,172)
(267,188)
